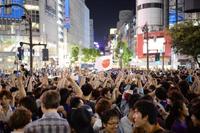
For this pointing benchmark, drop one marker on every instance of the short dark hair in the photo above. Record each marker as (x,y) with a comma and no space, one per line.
(50,99)
(147,108)
(80,120)
(96,94)
(101,105)
(133,99)
(161,93)
(86,89)
(5,93)
(108,114)
(104,91)
(29,102)
(64,94)
(20,118)
(175,96)
(75,102)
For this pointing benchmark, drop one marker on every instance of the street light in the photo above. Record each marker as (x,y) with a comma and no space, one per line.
(163,57)
(30,30)
(145,30)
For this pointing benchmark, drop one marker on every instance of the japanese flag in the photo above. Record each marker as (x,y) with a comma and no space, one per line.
(103,63)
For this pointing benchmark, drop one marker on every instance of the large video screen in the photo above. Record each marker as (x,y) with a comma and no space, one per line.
(11,13)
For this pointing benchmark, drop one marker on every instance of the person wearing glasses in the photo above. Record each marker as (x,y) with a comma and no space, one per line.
(110,120)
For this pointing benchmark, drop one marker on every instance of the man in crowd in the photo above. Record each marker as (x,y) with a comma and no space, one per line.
(144,116)
(50,122)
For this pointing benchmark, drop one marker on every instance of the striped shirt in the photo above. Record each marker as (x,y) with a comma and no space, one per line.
(49,123)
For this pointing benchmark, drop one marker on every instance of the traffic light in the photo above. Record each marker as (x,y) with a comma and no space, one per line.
(45,54)
(157,57)
(20,53)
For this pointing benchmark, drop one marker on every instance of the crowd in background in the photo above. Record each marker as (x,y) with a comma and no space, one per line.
(114,101)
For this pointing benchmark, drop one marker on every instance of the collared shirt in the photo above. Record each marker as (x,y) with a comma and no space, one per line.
(125,125)
(49,123)
(98,123)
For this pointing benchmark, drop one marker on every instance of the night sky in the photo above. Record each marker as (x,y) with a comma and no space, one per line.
(105,15)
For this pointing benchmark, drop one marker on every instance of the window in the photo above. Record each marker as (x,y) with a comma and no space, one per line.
(35,16)
(150,5)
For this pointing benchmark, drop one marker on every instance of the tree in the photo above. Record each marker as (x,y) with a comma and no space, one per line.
(186,38)
(90,54)
(74,54)
(127,53)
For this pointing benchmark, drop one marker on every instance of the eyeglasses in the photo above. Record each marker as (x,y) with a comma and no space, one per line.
(113,123)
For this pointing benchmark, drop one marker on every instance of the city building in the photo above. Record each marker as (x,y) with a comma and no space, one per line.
(151,13)
(57,23)
(176,11)
(192,9)
(75,28)
(192,6)
(91,33)
(179,11)
(79,32)
(125,27)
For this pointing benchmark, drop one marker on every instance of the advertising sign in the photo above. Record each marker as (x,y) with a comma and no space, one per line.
(11,13)
(173,13)
(67,14)
(172,17)
(155,45)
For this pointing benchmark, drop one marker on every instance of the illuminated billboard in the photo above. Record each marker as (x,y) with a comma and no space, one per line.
(173,13)
(156,45)
(67,15)
(11,13)
(172,17)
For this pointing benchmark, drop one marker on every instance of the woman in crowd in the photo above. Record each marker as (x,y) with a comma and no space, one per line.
(177,119)
(19,119)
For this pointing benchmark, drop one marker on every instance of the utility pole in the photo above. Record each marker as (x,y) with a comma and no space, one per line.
(163,57)
(145,30)
(163,61)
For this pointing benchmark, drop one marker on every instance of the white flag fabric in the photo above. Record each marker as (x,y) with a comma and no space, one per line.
(104,63)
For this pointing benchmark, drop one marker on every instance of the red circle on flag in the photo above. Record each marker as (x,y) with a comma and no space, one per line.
(105,63)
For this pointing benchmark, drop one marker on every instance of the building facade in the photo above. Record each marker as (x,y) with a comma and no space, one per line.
(91,33)
(57,23)
(79,32)
(151,13)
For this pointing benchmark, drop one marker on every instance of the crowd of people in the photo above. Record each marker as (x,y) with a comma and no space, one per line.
(113,101)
